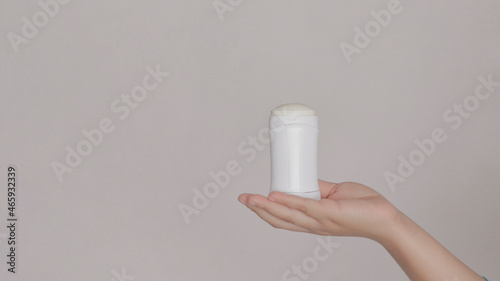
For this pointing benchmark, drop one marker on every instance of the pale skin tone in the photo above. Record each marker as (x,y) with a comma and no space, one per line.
(353,209)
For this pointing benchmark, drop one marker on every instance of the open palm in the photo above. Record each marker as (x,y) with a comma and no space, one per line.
(346,209)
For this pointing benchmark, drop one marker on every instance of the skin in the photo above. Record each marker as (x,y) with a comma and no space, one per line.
(353,209)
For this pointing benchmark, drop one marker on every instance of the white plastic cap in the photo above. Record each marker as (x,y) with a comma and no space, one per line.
(293,109)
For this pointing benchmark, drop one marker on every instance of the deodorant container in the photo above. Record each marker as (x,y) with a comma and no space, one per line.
(293,132)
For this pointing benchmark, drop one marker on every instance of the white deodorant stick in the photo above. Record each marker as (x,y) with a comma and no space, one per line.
(293,131)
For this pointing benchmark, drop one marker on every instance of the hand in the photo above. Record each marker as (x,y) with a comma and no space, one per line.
(346,209)
(353,209)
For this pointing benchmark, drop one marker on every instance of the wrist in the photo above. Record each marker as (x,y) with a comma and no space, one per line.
(395,230)
(420,255)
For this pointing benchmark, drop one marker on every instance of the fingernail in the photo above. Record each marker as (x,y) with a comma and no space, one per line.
(251,203)
(242,201)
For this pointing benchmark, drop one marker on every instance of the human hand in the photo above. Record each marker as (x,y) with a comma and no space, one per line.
(346,209)
(353,209)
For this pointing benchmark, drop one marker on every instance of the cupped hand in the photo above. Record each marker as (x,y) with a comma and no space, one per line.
(345,209)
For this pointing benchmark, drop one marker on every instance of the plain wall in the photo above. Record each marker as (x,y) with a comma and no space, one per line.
(118,211)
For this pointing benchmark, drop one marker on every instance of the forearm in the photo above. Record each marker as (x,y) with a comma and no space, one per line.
(421,256)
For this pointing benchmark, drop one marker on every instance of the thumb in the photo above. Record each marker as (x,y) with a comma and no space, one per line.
(344,190)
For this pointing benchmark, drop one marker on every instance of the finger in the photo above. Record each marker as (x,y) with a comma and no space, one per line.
(351,190)
(253,199)
(326,188)
(284,213)
(275,221)
(309,207)
(243,198)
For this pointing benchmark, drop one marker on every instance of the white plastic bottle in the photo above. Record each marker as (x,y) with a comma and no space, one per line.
(293,131)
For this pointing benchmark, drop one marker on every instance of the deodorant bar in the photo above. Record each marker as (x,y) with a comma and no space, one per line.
(293,132)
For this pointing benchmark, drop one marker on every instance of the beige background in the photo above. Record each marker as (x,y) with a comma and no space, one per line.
(120,207)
